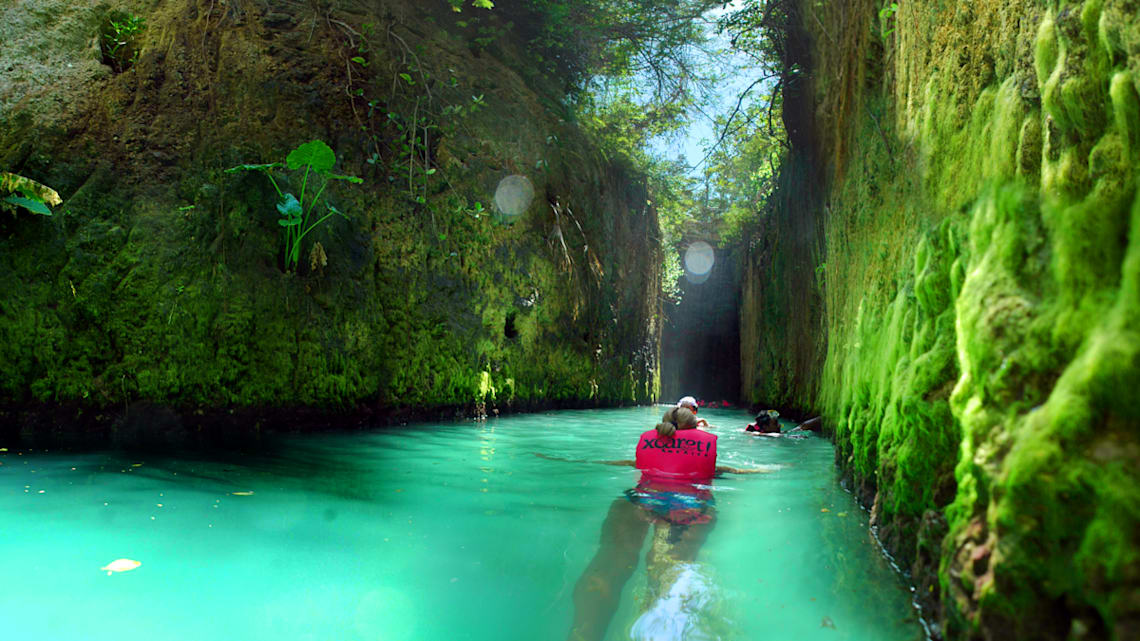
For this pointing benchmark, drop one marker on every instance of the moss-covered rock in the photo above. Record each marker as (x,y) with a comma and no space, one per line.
(980,275)
(161,279)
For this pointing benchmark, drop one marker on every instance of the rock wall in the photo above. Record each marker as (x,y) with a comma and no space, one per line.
(981,278)
(781,310)
(160,280)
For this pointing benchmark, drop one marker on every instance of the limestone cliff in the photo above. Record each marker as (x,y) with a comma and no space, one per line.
(978,262)
(161,278)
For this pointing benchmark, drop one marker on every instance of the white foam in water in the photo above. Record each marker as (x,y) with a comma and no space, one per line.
(682,613)
(514,195)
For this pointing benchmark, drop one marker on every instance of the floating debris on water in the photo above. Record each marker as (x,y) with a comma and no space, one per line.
(826,622)
(243,493)
(120,565)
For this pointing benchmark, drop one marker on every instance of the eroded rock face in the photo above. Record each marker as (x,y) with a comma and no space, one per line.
(161,279)
(982,266)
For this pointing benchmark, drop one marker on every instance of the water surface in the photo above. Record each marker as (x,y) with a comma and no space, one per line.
(435,531)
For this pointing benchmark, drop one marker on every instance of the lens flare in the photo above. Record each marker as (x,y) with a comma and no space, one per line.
(699,260)
(513,196)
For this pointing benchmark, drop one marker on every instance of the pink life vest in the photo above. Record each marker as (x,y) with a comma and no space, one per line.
(689,455)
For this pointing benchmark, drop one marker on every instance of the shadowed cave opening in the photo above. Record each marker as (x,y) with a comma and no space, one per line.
(700,339)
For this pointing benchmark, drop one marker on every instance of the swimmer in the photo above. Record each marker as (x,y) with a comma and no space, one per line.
(677,463)
(691,403)
(765,425)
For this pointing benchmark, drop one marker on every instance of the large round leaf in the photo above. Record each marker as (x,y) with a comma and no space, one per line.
(290,208)
(316,154)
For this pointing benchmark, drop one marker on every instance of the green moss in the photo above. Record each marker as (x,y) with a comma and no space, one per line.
(1111,33)
(1126,111)
(168,288)
(892,427)
(983,355)
(1047,49)
(1007,125)
(1029,144)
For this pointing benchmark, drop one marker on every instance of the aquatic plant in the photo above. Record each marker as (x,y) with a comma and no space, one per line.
(24,192)
(118,40)
(315,157)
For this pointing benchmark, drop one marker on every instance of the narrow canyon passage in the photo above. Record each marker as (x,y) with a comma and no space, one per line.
(428,224)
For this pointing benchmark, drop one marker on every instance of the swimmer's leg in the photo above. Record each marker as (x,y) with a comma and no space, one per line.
(599,588)
(687,543)
(675,543)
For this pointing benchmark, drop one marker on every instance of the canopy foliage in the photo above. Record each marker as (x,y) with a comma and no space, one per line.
(638,71)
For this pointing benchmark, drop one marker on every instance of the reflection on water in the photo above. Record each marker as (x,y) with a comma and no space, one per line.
(452,531)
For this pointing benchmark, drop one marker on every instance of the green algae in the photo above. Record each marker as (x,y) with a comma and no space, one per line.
(982,336)
(166,289)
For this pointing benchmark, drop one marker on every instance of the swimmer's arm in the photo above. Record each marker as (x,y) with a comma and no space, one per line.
(625,463)
(721,469)
(558,458)
(810,424)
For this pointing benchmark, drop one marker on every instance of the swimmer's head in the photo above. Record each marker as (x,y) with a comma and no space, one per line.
(765,422)
(677,418)
(688,402)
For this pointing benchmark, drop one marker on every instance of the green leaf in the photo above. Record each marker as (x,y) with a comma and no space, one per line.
(352,179)
(34,206)
(359,60)
(315,154)
(264,167)
(484,4)
(28,187)
(288,222)
(290,208)
(408,79)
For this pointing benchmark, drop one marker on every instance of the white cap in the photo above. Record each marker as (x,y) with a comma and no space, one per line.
(688,402)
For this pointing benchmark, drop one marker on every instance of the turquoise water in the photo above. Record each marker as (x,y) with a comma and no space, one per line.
(449,532)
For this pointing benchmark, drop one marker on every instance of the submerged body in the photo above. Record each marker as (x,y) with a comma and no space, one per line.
(677,463)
